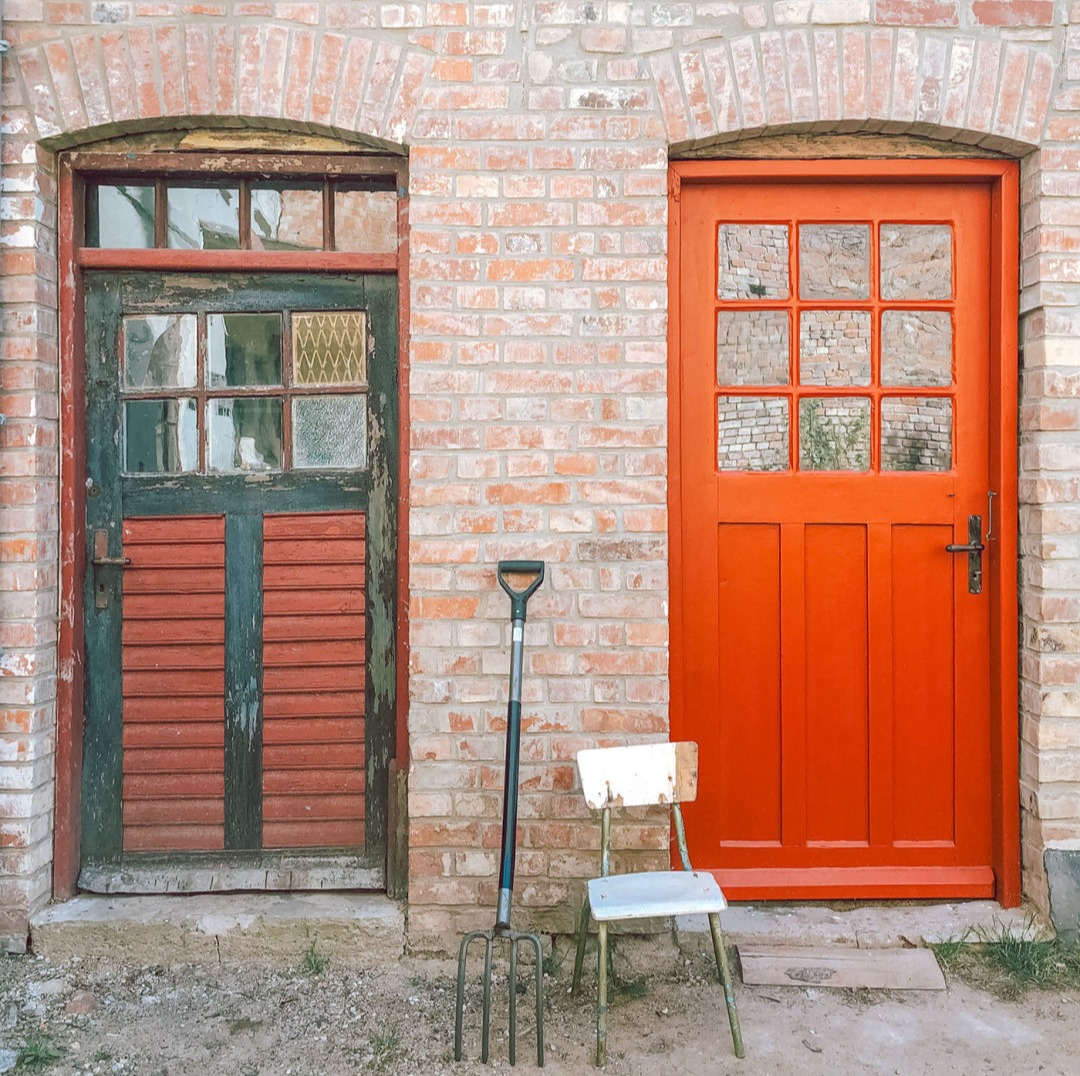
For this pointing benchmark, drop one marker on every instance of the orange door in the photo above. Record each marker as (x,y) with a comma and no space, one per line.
(831,656)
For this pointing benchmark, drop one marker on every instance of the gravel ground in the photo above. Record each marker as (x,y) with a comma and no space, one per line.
(306,1019)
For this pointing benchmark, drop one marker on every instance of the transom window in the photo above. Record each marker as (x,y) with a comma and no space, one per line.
(243,214)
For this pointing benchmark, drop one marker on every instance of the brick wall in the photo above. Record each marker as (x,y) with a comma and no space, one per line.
(538,136)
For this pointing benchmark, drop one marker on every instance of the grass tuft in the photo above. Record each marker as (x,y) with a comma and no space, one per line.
(314,963)
(1009,963)
(38,1052)
(386,1047)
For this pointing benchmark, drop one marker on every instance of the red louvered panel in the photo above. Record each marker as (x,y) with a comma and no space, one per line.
(173,684)
(313,680)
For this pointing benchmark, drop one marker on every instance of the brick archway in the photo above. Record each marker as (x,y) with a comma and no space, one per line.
(104,83)
(952,87)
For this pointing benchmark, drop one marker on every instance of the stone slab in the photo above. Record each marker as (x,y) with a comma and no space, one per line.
(876,969)
(869,926)
(1063,880)
(360,930)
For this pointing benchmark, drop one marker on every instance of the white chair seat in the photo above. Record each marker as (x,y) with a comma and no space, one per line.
(655,893)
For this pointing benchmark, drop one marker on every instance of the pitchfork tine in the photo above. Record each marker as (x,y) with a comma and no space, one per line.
(488,940)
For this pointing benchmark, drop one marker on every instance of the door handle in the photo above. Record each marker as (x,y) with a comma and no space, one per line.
(974,549)
(101,559)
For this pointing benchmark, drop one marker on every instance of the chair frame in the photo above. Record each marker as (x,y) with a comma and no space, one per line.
(678,790)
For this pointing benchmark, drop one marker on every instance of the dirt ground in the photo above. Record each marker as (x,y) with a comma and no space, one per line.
(305,1019)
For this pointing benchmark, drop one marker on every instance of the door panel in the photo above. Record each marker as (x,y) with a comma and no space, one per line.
(833,425)
(242,569)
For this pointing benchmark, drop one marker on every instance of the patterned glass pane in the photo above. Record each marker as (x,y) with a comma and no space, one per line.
(916,347)
(244,434)
(916,261)
(160,436)
(286,217)
(329,431)
(366,220)
(753,261)
(834,347)
(203,218)
(159,351)
(916,434)
(752,347)
(120,217)
(330,349)
(834,434)
(752,433)
(834,261)
(243,349)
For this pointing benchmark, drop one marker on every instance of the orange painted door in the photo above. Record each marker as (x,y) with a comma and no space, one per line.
(832,414)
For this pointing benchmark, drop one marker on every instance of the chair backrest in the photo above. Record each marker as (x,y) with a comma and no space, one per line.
(656,773)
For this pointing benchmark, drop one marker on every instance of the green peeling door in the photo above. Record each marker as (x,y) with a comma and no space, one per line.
(241,579)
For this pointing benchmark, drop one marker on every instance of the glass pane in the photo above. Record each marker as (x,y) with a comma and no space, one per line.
(203,218)
(834,347)
(834,261)
(834,434)
(916,261)
(752,347)
(286,217)
(916,347)
(753,261)
(330,349)
(120,216)
(752,433)
(366,220)
(160,436)
(329,431)
(244,434)
(916,434)
(243,349)
(159,351)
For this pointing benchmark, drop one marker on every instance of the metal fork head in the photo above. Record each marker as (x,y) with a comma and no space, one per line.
(513,939)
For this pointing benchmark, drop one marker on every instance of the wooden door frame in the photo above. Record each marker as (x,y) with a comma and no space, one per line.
(75,169)
(1002,180)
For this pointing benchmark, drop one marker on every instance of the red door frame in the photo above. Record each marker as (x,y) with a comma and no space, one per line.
(74,169)
(1002,180)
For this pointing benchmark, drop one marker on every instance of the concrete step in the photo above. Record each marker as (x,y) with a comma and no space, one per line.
(362,930)
(868,926)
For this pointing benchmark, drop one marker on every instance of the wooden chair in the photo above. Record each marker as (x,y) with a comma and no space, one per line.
(664,774)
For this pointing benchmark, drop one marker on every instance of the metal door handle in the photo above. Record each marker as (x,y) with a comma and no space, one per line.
(974,549)
(101,559)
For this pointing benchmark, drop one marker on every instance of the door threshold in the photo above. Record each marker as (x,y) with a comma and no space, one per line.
(218,872)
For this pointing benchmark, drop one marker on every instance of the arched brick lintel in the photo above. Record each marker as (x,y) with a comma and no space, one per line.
(953,87)
(143,78)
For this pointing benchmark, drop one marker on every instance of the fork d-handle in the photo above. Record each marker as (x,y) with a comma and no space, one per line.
(518,601)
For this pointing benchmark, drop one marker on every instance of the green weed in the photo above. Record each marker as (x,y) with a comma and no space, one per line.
(386,1047)
(39,1051)
(314,963)
(1009,963)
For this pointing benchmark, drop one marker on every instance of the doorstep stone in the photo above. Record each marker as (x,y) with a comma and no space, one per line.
(362,930)
(866,926)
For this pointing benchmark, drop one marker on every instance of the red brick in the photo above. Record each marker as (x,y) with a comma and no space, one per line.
(199,70)
(140,42)
(377,100)
(66,86)
(1013,12)
(327,77)
(774,75)
(350,93)
(669,92)
(917,12)
(224,68)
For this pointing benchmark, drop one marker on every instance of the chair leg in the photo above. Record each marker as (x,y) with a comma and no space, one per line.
(601,996)
(582,937)
(724,970)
